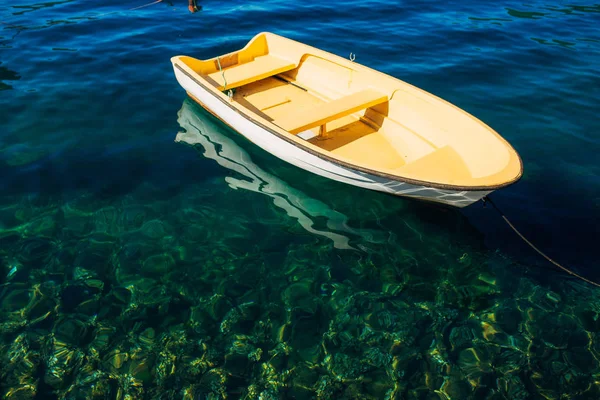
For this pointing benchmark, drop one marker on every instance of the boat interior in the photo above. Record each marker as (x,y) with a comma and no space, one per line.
(359,115)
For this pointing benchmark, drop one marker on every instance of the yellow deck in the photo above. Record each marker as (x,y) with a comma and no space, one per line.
(357,115)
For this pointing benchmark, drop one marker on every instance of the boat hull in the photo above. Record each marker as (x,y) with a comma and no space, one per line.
(301,158)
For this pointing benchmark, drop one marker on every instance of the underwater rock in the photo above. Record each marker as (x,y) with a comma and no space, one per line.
(544,299)
(302,382)
(279,356)
(22,392)
(474,362)
(282,333)
(74,295)
(61,364)
(556,330)
(121,295)
(150,294)
(229,321)
(147,338)
(249,311)
(455,387)
(589,317)
(340,300)
(133,217)
(75,223)
(89,307)
(96,385)
(43,306)
(390,275)
(232,288)
(241,354)
(377,358)
(102,337)
(377,385)
(269,394)
(488,278)
(27,306)
(81,274)
(460,337)
(273,380)
(155,229)
(218,306)
(8,242)
(344,367)
(476,297)
(158,265)
(381,320)
(308,353)
(582,358)
(327,388)
(20,361)
(255,355)
(71,330)
(197,366)
(117,302)
(212,385)
(509,360)
(165,365)
(299,296)
(574,378)
(106,220)
(307,335)
(140,367)
(198,319)
(95,285)
(508,318)
(13,299)
(115,360)
(34,251)
(492,333)
(130,256)
(241,319)
(42,226)
(94,260)
(512,387)
(191,392)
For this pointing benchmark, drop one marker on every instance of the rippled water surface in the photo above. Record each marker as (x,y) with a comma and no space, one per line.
(147,251)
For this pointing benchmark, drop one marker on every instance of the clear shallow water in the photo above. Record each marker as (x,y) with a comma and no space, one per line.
(135,264)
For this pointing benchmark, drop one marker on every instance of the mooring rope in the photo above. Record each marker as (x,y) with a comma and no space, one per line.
(9,25)
(145,5)
(130,9)
(487,199)
(100,15)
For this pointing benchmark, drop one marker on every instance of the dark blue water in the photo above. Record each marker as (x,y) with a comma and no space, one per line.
(136,265)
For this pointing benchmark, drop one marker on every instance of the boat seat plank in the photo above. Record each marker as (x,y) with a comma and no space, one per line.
(323,113)
(242,74)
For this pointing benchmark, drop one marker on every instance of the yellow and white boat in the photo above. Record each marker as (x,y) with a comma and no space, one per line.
(344,121)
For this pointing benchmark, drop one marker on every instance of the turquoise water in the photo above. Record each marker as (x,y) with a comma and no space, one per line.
(146,251)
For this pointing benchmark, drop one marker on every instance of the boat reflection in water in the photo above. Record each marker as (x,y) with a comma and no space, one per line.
(201,128)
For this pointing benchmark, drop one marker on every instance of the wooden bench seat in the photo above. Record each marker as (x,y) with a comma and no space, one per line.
(321,114)
(239,75)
